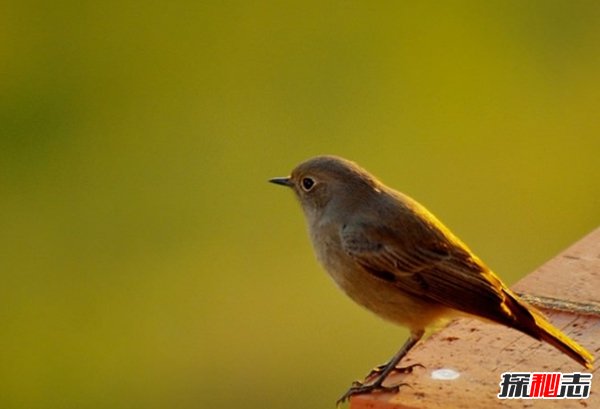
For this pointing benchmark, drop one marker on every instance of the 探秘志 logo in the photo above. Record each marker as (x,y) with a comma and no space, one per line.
(545,385)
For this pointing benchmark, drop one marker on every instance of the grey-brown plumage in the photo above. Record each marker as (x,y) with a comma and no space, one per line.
(392,256)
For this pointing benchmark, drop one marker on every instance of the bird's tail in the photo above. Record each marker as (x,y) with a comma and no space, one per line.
(530,321)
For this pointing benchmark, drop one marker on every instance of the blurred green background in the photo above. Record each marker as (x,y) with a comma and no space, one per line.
(146,263)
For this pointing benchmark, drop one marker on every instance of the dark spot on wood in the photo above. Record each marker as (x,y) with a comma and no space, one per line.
(450,338)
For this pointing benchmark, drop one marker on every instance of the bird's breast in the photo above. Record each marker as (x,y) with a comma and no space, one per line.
(372,292)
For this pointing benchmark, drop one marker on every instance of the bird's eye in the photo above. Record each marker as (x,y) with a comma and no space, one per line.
(307,184)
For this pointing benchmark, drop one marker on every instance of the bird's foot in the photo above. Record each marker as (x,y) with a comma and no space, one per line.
(359,388)
(398,369)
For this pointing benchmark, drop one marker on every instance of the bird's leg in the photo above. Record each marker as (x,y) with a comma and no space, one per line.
(377,385)
(399,369)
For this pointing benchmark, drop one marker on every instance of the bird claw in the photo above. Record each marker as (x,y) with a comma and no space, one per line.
(404,369)
(359,388)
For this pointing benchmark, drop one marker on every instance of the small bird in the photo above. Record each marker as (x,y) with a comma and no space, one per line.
(391,255)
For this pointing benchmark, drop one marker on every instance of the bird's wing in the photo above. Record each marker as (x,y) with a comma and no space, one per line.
(431,264)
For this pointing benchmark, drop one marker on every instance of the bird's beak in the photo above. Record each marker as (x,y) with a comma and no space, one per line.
(284,181)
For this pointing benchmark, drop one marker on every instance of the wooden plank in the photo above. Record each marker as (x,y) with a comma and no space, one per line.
(480,352)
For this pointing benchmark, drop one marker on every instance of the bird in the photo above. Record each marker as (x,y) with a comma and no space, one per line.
(389,254)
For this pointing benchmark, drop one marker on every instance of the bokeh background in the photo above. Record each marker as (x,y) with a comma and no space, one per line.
(146,263)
